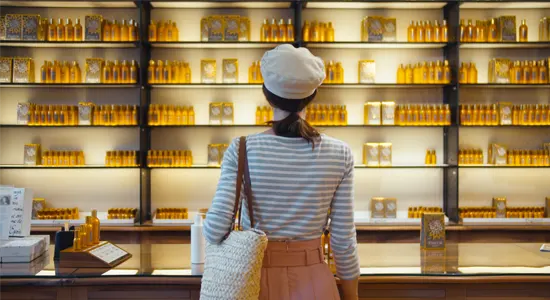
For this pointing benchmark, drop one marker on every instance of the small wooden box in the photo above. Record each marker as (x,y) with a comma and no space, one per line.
(103,255)
(432,235)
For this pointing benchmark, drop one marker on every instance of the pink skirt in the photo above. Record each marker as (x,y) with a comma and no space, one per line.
(296,270)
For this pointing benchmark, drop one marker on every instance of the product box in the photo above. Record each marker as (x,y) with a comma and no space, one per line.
(375,28)
(38,204)
(499,155)
(208,71)
(432,234)
(31,24)
(227,113)
(433,261)
(499,70)
(364,30)
(216,113)
(223,148)
(390,30)
(371,155)
(499,203)
(385,150)
(507,26)
(5,69)
(367,71)
(373,113)
(32,154)
(378,207)
(204,30)
(93,27)
(230,70)
(2,28)
(546,146)
(505,109)
(390,205)
(85,113)
(213,155)
(388,113)
(23,70)
(93,70)
(14,26)
(231,28)
(23,113)
(244,29)
(216,28)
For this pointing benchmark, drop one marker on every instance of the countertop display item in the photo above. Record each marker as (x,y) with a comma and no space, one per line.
(318,32)
(198,242)
(23,249)
(432,234)
(169,158)
(327,115)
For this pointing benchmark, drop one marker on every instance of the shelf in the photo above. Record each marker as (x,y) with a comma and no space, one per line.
(502,45)
(264,126)
(356,166)
(70,4)
(501,167)
(67,85)
(504,86)
(214,45)
(65,126)
(329,86)
(504,126)
(372,45)
(376,4)
(207,86)
(504,4)
(84,44)
(220,4)
(63,167)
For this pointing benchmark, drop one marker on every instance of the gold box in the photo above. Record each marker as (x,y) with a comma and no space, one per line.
(371,155)
(2,28)
(32,154)
(507,28)
(223,148)
(505,109)
(433,261)
(499,203)
(215,113)
(378,207)
(6,69)
(23,113)
(230,70)
(214,155)
(216,28)
(432,235)
(375,28)
(546,146)
(244,29)
(38,204)
(373,113)
(385,150)
(367,71)
(204,30)
(499,70)
(499,154)
(227,113)
(93,25)
(14,26)
(208,71)
(23,70)
(31,24)
(85,113)
(93,70)
(388,113)
(231,28)
(390,205)
(389,30)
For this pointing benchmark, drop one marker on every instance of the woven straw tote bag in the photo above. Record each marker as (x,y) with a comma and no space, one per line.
(233,268)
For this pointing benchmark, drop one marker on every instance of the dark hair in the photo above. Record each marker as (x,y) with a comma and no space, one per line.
(293,125)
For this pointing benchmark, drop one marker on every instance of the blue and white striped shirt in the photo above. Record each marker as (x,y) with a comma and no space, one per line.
(293,188)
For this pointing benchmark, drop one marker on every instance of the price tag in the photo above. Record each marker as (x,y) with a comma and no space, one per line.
(108,253)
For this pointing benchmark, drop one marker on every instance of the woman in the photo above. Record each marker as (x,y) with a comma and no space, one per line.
(297,175)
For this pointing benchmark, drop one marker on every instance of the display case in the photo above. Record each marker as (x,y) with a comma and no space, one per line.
(424,164)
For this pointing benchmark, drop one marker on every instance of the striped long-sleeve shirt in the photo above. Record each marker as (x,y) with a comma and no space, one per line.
(293,188)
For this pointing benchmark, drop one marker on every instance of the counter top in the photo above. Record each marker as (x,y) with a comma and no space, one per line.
(398,261)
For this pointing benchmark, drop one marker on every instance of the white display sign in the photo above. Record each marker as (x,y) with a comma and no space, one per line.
(5,211)
(21,212)
(108,253)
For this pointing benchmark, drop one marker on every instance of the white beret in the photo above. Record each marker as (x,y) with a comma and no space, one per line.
(292,73)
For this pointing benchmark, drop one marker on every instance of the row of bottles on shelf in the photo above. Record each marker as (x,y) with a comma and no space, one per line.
(470,156)
(169,158)
(468,73)
(431,157)
(163,31)
(329,115)
(123,32)
(425,32)
(111,115)
(500,29)
(505,114)
(499,155)
(416,212)
(33,155)
(230,28)
(317,31)
(387,113)
(121,158)
(282,32)
(58,214)
(166,213)
(115,72)
(86,113)
(502,70)
(255,73)
(60,72)
(121,213)
(52,32)
(264,114)
(334,73)
(176,71)
(425,73)
(500,209)
(163,114)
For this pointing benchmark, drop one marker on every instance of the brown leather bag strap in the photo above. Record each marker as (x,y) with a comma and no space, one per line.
(239,181)
(248,189)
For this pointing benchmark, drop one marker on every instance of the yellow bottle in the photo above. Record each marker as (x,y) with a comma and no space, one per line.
(462,31)
(339,73)
(161,32)
(329,33)
(252,75)
(166,72)
(482,36)
(290,31)
(282,31)
(439,74)
(45,76)
(133,30)
(431,73)
(78,33)
(331,73)
(60,30)
(322,32)
(425,72)
(66,72)
(526,72)
(115,32)
(444,32)
(437,32)
(306,32)
(463,73)
(421,115)
(543,72)
(493,32)
(117,72)
(57,68)
(175,32)
(124,32)
(417,77)
(258,116)
(401,74)
(482,115)
(151,74)
(185,116)
(428,158)
(475,115)
(409,77)
(470,32)
(428,32)
(534,72)
(152,31)
(169,31)
(52,31)
(472,73)
(523,31)
(69,30)
(344,115)
(315,32)
(420,32)
(191,118)
(107,33)
(274,31)
(265,32)
(316,115)
(125,72)
(159,76)
(107,73)
(174,72)
(411,33)
(265,115)
(134,72)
